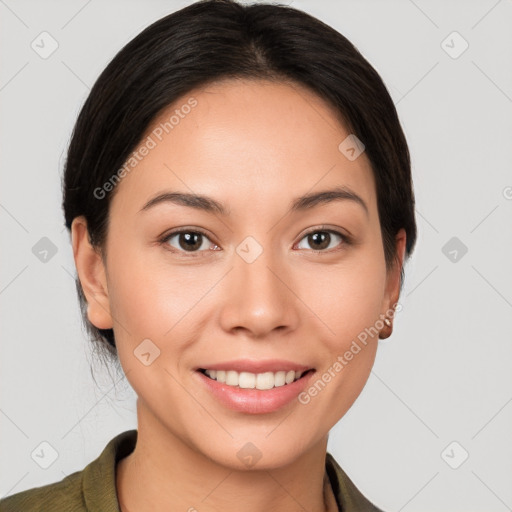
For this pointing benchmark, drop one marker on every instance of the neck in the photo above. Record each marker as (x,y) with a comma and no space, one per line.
(165,474)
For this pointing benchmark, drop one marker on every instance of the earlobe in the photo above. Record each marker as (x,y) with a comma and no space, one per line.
(393,286)
(92,275)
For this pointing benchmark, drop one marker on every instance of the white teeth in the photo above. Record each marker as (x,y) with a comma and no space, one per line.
(265,380)
(279,379)
(247,380)
(232,378)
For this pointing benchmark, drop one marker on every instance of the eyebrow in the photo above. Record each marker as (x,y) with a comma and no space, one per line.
(210,205)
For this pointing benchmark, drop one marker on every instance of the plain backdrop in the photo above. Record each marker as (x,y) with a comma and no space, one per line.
(432,428)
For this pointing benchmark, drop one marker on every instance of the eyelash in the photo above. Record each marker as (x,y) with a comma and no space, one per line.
(346,240)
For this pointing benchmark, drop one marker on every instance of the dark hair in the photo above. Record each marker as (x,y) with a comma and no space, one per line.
(209,41)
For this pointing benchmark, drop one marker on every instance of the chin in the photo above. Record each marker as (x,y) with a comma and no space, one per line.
(257,452)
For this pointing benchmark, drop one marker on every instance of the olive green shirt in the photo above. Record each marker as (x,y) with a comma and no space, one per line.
(94,488)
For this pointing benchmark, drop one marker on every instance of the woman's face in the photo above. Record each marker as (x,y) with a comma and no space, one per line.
(257,276)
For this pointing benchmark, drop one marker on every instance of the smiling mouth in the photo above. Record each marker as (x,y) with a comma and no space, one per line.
(248,380)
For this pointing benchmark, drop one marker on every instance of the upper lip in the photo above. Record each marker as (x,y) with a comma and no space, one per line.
(261,366)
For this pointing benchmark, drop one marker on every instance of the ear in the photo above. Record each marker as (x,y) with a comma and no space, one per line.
(392,292)
(92,275)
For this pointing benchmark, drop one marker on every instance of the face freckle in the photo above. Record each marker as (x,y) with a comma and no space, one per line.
(253,148)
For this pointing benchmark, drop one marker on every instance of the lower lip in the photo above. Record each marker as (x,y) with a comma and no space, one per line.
(255,401)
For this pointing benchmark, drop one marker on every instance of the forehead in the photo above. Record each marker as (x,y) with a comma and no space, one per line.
(245,138)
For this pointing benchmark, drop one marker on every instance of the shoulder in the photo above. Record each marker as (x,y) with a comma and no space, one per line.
(63,495)
(348,496)
(91,489)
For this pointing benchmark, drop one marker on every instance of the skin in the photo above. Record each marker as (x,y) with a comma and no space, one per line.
(253,146)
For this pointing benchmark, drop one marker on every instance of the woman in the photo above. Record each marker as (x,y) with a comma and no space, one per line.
(239,196)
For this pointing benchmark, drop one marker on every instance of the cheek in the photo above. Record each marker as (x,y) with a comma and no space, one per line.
(138,300)
(152,302)
(347,299)
(153,299)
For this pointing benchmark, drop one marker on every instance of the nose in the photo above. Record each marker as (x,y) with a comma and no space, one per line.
(258,298)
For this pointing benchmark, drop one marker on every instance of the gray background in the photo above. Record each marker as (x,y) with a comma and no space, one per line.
(445,374)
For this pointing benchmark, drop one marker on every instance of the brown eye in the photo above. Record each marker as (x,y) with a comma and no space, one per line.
(320,240)
(188,241)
